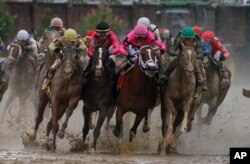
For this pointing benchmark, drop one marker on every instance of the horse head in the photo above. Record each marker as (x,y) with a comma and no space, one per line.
(70,60)
(100,61)
(14,55)
(187,58)
(148,60)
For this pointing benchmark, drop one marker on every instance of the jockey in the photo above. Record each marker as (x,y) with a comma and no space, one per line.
(103,36)
(151,27)
(56,24)
(187,37)
(89,42)
(219,53)
(69,38)
(137,38)
(26,41)
(166,36)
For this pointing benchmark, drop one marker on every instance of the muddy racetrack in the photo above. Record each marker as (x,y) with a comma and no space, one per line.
(210,144)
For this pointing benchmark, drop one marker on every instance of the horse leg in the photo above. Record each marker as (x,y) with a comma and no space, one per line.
(72,105)
(211,111)
(147,121)
(186,108)
(110,114)
(137,121)
(85,130)
(162,145)
(41,107)
(100,120)
(170,121)
(118,130)
(22,113)
(57,112)
(8,104)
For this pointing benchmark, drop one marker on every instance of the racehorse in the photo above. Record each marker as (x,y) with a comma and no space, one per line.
(3,79)
(20,67)
(98,92)
(215,94)
(65,89)
(138,91)
(178,97)
(44,60)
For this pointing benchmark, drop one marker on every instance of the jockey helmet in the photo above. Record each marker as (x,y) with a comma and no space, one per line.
(70,35)
(207,35)
(145,21)
(165,33)
(22,35)
(90,33)
(102,27)
(140,30)
(56,22)
(187,32)
(197,30)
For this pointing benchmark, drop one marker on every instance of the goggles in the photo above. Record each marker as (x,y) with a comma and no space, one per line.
(140,37)
(102,34)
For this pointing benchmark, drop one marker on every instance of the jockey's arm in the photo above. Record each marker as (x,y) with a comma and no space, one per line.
(224,51)
(199,51)
(173,50)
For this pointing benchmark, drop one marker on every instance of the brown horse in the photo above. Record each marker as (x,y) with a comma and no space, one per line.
(178,97)
(98,92)
(3,79)
(215,94)
(65,87)
(246,93)
(44,60)
(20,67)
(138,90)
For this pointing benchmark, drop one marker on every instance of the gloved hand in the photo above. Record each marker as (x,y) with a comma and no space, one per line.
(57,50)
(162,51)
(115,51)
(217,56)
(123,51)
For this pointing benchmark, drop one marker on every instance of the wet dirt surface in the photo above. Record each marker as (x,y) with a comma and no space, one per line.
(210,144)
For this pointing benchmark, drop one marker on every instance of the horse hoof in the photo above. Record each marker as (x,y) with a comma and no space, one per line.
(131,136)
(32,138)
(183,129)
(206,121)
(116,133)
(60,135)
(145,129)
(170,139)
(160,149)
(92,151)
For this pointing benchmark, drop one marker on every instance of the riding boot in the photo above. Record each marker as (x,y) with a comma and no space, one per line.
(201,82)
(87,71)
(224,75)
(48,78)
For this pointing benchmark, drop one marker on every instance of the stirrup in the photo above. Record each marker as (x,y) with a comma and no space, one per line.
(45,84)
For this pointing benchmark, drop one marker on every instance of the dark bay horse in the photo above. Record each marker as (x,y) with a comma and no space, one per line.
(178,97)
(20,67)
(98,92)
(138,91)
(3,79)
(215,94)
(65,88)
